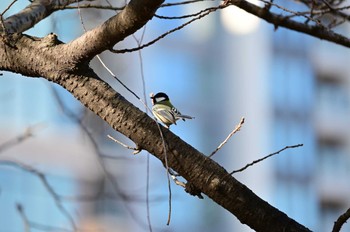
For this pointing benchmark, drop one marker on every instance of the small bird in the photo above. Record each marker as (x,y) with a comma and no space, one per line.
(164,111)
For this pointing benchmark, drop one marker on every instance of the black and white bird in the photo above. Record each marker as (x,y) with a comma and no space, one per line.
(164,111)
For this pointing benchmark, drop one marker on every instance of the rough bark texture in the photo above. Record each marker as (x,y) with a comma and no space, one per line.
(32,14)
(67,65)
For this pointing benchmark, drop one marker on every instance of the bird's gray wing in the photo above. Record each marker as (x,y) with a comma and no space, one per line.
(164,114)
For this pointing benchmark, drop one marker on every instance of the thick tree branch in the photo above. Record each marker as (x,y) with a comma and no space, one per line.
(32,14)
(34,57)
(126,22)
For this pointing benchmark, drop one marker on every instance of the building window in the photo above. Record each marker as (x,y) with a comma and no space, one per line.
(332,94)
(333,158)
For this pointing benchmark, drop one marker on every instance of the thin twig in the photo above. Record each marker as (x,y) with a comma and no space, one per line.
(28,225)
(176,181)
(182,16)
(8,7)
(167,173)
(238,128)
(340,221)
(23,217)
(207,12)
(136,150)
(28,133)
(110,7)
(112,157)
(45,228)
(139,42)
(335,11)
(293,13)
(180,183)
(48,187)
(259,160)
(92,6)
(182,3)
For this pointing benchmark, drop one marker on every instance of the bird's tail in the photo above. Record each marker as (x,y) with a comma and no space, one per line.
(183,117)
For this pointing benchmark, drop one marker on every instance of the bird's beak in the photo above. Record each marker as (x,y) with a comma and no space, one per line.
(151,95)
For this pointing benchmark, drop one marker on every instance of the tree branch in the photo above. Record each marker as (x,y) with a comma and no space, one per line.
(28,133)
(237,128)
(341,220)
(133,17)
(317,31)
(24,218)
(265,157)
(47,185)
(32,14)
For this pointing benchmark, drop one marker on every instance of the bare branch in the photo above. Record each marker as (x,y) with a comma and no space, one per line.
(46,184)
(136,150)
(133,17)
(28,224)
(28,133)
(265,157)
(238,128)
(45,228)
(341,220)
(176,181)
(114,8)
(277,20)
(23,217)
(92,6)
(185,16)
(166,163)
(32,14)
(293,13)
(8,7)
(206,12)
(182,3)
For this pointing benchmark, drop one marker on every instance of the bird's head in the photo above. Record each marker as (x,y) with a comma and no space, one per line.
(159,97)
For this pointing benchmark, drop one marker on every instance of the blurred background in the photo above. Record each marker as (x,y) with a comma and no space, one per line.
(60,172)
